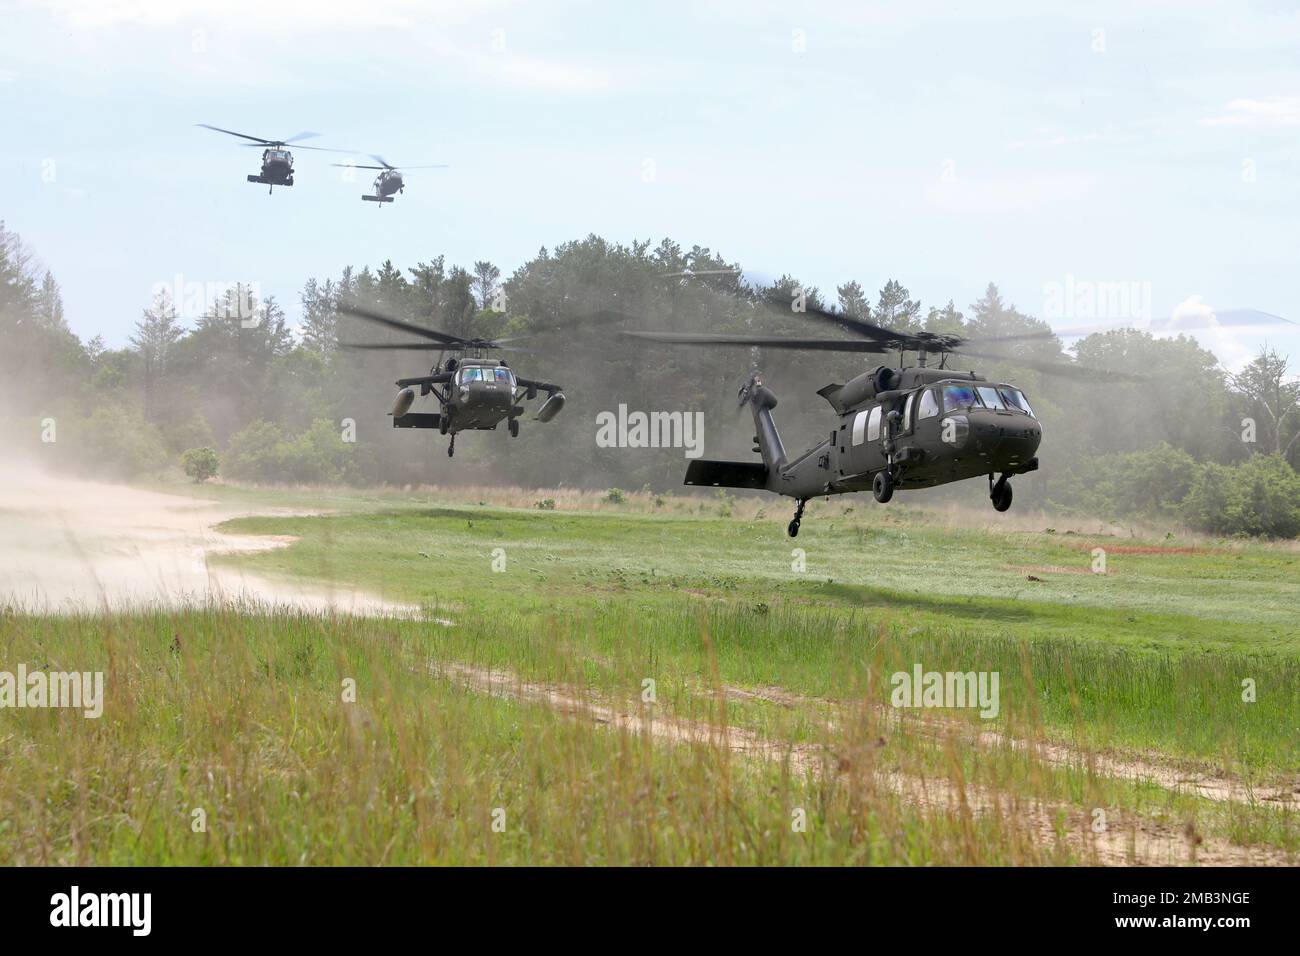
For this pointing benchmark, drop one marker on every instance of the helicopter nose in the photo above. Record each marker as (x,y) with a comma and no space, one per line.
(1004,439)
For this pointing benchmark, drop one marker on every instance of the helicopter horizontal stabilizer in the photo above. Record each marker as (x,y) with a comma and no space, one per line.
(377,198)
(418,420)
(726,474)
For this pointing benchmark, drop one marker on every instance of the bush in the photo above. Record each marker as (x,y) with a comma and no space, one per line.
(615,496)
(261,452)
(546,504)
(1151,483)
(200,463)
(1261,496)
(256,453)
(118,441)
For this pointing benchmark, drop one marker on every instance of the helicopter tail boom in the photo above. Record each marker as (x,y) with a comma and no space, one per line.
(726,474)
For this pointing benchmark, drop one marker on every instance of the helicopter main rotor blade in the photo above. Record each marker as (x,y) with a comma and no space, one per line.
(297,136)
(371,315)
(689,273)
(429,347)
(323,149)
(382,162)
(572,322)
(356,166)
(868,330)
(231,132)
(1224,318)
(379,346)
(774,342)
(1061,369)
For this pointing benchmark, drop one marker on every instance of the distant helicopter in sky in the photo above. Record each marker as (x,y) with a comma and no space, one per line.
(277,161)
(389,180)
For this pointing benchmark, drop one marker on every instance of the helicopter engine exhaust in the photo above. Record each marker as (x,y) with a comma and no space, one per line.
(551,407)
(405,398)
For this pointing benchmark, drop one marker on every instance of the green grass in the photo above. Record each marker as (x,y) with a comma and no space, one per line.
(1150,655)
(239,711)
(245,720)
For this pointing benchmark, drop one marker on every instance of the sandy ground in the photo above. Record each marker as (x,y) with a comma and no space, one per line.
(79,545)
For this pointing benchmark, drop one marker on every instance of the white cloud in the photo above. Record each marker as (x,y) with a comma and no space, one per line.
(1195,317)
(1278,111)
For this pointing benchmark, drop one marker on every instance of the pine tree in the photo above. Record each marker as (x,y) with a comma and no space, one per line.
(49,304)
(896,311)
(486,276)
(853,301)
(155,334)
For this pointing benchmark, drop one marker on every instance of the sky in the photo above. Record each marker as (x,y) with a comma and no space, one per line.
(1100,161)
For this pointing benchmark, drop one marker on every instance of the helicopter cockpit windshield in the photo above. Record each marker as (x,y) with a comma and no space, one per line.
(475,373)
(1002,398)
(958,396)
(1015,400)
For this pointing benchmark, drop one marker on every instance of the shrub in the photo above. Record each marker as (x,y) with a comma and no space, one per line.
(256,453)
(118,441)
(615,496)
(1261,496)
(200,463)
(261,452)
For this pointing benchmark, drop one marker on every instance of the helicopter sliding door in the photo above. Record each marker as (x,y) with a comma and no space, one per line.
(863,452)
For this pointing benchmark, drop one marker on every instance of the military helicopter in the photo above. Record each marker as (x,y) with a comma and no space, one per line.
(389,180)
(277,162)
(474,393)
(907,427)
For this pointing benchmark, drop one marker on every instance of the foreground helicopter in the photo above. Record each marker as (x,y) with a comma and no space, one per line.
(474,393)
(277,162)
(389,180)
(914,427)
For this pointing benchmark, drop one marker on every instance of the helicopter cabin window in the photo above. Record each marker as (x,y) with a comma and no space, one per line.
(989,396)
(471,375)
(906,423)
(859,427)
(503,375)
(957,396)
(929,406)
(1016,400)
(873,425)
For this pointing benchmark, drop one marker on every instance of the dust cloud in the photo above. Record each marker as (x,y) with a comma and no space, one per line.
(69,545)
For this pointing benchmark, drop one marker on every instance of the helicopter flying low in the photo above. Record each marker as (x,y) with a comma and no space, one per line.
(277,160)
(389,180)
(474,392)
(907,427)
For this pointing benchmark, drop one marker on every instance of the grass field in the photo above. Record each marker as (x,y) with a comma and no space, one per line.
(668,680)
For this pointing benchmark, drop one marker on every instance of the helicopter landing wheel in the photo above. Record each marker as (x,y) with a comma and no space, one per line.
(792,529)
(882,486)
(1001,495)
(514,428)
(451,448)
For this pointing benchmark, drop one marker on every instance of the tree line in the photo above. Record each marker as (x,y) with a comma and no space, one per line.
(1191,443)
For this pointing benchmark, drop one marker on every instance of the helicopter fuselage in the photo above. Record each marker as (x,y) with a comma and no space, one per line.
(922,427)
(388,182)
(472,394)
(277,168)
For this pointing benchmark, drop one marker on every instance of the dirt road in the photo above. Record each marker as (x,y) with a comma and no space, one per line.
(81,545)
